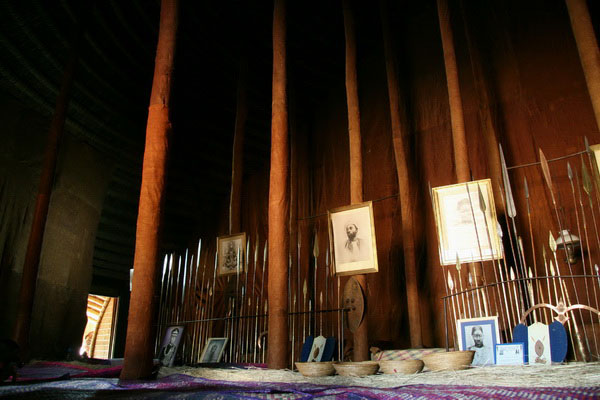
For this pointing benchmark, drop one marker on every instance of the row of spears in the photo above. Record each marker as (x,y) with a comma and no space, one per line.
(193,295)
(518,291)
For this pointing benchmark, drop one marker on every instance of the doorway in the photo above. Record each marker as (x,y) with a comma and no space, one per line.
(99,333)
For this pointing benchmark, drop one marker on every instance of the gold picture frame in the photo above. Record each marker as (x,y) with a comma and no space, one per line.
(352,239)
(231,254)
(464,230)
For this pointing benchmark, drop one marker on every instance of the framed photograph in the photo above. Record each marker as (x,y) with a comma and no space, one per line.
(465,217)
(352,239)
(510,354)
(481,335)
(170,344)
(213,351)
(231,254)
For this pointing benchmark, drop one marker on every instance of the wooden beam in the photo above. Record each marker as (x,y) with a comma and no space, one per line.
(459,139)
(277,355)
(404,185)
(20,333)
(361,345)
(139,347)
(587,45)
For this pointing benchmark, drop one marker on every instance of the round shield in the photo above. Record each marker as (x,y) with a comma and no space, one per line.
(354,302)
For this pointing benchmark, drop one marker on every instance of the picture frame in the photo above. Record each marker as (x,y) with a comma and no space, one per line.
(213,350)
(231,254)
(352,239)
(481,335)
(170,344)
(463,230)
(510,354)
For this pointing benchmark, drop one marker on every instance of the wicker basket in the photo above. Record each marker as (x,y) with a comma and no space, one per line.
(315,368)
(401,366)
(362,368)
(450,361)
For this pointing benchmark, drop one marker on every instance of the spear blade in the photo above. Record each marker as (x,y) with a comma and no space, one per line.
(510,202)
(569,171)
(526,187)
(585,177)
(546,170)
(482,205)
(552,242)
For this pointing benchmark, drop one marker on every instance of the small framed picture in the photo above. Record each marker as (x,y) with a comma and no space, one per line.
(231,254)
(481,335)
(465,217)
(352,239)
(213,351)
(170,344)
(510,354)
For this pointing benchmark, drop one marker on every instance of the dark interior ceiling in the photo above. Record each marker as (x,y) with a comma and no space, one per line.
(108,107)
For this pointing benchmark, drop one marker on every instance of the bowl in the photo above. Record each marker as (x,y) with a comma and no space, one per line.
(401,366)
(361,368)
(315,368)
(450,361)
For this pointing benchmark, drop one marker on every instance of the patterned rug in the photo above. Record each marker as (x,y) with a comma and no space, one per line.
(181,386)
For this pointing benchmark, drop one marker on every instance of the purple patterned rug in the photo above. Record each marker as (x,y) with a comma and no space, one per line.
(180,386)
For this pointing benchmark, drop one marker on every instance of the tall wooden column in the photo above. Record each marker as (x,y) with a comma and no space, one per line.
(404,186)
(278,201)
(361,345)
(459,140)
(20,332)
(587,46)
(139,345)
(237,163)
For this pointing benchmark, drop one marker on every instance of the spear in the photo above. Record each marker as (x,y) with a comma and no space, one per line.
(587,240)
(474,294)
(512,278)
(587,186)
(483,209)
(326,284)
(565,294)
(255,298)
(587,290)
(212,295)
(314,291)
(293,334)
(561,300)
(458,268)
(304,292)
(480,253)
(262,286)
(339,324)
(451,286)
(530,289)
(265,328)
(511,210)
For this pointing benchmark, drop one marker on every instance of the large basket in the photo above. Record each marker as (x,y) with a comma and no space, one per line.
(450,361)
(315,368)
(401,366)
(362,368)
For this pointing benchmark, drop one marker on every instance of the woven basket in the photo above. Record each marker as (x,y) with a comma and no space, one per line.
(450,361)
(401,366)
(362,368)
(315,368)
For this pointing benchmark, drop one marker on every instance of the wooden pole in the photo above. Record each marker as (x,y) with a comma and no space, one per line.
(459,140)
(21,328)
(587,46)
(361,345)
(237,163)
(140,330)
(404,186)
(278,201)
(485,115)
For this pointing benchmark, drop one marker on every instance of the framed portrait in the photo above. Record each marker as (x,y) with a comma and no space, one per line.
(213,351)
(231,254)
(352,239)
(480,335)
(465,218)
(169,345)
